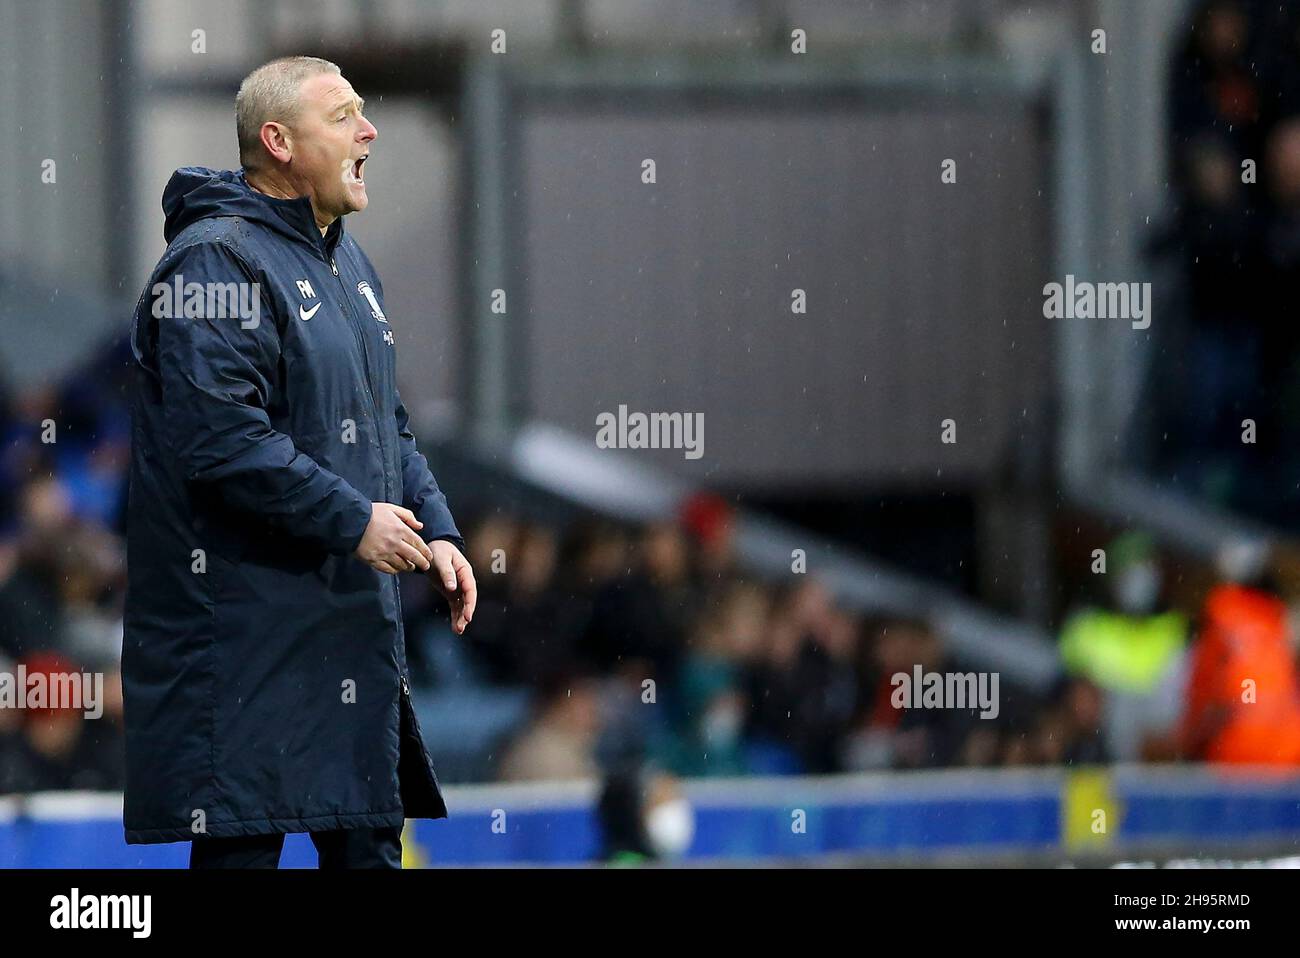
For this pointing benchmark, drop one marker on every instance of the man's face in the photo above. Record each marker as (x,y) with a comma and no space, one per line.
(331,140)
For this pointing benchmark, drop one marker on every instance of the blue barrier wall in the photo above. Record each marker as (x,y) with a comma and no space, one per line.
(910,817)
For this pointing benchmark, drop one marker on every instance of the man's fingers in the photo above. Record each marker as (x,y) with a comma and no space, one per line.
(467,596)
(382,566)
(468,590)
(420,546)
(425,548)
(447,573)
(410,556)
(407,516)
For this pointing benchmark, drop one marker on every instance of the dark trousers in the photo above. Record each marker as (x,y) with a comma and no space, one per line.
(347,848)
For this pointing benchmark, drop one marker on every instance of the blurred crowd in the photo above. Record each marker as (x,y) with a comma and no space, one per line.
(1234,240)
(63,458)
(645,644)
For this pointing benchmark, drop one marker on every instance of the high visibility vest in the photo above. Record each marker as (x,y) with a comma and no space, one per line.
(1122,653)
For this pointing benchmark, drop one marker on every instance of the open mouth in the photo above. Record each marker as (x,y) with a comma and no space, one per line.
(354,171)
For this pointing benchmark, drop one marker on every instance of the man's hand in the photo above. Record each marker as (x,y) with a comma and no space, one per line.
(390,543)
(455,580)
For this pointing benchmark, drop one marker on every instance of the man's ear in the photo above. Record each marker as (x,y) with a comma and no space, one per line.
(277,141)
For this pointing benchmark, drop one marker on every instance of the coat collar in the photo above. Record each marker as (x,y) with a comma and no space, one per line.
(297,214)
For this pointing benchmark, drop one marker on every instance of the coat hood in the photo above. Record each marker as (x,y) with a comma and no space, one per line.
(195,192)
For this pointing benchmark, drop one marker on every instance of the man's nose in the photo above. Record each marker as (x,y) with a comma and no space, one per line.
(368,131)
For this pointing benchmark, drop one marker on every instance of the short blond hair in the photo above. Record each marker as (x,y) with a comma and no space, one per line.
(271,93)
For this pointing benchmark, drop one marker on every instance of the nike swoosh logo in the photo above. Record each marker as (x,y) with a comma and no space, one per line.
(306,314)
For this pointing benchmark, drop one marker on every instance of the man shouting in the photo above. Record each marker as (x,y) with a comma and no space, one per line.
(275,494)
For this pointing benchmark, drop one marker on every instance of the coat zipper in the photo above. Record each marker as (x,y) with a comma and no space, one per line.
(365,361)
(401,632)
(383,451)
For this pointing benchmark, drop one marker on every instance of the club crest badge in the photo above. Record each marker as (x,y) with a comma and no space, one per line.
(364,289)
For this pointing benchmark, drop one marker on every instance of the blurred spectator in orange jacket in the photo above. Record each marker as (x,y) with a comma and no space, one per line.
(1243,699)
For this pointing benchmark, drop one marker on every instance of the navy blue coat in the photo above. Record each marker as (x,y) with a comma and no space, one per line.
(264,666)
